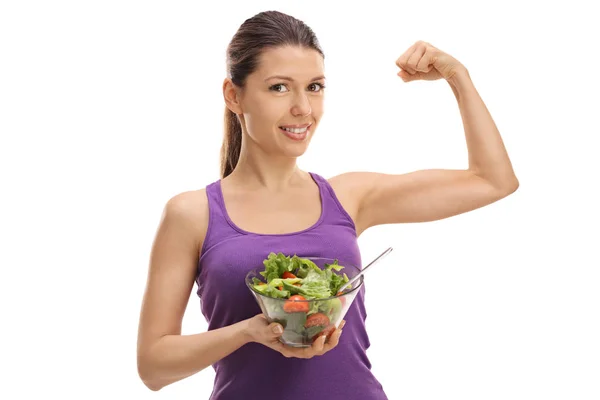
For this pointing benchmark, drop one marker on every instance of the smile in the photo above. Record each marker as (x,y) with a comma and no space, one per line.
(297,134)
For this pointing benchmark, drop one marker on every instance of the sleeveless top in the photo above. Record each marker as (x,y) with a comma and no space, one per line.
(255,371)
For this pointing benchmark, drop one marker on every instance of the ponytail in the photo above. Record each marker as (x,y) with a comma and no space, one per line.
(232,143)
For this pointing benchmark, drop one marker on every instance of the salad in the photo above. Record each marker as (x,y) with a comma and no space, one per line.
(290,282)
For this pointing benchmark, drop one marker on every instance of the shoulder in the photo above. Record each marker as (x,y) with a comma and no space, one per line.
(188,204)
(354,185)
(350,188)
(350,181)
(188,211)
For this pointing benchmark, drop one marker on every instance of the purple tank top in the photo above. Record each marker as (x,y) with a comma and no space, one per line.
(255,371)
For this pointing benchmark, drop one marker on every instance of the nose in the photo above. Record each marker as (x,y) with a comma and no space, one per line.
(301,106)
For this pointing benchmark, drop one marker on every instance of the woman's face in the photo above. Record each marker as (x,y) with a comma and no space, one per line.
(286,91)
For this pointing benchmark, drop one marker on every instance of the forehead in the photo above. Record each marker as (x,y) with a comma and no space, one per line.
(299,63)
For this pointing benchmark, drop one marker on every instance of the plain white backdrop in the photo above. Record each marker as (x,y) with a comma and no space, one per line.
(108,109)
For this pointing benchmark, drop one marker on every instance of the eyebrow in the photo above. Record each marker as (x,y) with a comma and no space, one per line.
(287,78)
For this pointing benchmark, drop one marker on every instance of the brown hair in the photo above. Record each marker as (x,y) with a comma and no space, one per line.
(268,29)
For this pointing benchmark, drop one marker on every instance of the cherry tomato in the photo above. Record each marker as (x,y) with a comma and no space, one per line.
(296,303)
(288,275)
(317,319)
(325,332)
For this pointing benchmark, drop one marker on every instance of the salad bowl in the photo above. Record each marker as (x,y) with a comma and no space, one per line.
(301,294)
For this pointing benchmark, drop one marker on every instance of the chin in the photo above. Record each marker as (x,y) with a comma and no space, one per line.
(294,151)
(294,148)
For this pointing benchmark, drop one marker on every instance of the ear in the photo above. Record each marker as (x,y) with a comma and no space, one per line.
(231,96)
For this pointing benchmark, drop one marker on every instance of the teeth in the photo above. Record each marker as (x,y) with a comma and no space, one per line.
(295,130)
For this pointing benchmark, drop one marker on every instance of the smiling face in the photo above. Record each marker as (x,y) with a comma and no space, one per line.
(282,101)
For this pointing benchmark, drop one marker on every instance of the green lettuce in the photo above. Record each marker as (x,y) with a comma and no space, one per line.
(315,283)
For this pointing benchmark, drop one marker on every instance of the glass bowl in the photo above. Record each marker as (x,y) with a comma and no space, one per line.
(304,321)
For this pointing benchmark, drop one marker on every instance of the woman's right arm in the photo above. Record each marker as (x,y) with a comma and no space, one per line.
(164,355)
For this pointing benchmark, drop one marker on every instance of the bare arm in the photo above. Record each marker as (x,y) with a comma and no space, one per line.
(164,355)
(434,194)
(175,357)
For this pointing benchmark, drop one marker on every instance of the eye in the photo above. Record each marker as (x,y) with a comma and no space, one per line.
(276,87)
(320,85)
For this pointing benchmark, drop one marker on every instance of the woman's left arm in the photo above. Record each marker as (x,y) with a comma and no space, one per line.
(434,194)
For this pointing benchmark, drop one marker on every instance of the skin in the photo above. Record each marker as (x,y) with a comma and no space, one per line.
(268,193)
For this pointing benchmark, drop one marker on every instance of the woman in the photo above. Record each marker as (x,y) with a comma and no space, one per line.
(264,203)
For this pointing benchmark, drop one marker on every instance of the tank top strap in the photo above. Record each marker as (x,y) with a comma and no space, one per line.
(333,211)
(219,228)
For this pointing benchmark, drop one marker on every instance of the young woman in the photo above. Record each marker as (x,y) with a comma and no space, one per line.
(264,203)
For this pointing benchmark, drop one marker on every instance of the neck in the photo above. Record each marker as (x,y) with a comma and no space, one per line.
(256,168)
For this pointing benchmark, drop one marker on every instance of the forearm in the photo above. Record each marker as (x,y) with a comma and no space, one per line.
(175,357)
(487,155)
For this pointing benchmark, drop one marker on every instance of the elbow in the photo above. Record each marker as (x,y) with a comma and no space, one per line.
(151,383)
(506,189)
(504,186)
(512,186)
(504,183)
(509,186)
(147,377)
(152,386)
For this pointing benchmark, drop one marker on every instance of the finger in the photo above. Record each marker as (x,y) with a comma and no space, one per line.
(414,58)
(289,352)
(404,75)
(274,330)
(425,64)
(315,349)
(319,345)
(305,352)
(283,349)
(402,61)
(334,340)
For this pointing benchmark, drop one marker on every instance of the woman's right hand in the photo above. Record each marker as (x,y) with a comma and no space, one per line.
(260,331)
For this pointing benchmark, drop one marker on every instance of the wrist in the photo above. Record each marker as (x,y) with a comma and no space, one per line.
(460,80)
(244,332)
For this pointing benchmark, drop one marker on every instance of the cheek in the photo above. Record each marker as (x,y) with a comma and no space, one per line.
(317,106)
(262,118)
(268,115)
(265,111)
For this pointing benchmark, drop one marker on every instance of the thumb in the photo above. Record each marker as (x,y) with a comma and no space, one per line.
(406,77)
(275,329)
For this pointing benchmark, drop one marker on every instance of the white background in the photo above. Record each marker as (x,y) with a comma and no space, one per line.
(108,109)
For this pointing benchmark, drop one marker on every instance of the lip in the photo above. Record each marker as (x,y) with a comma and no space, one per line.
(295,136)
(295,126)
